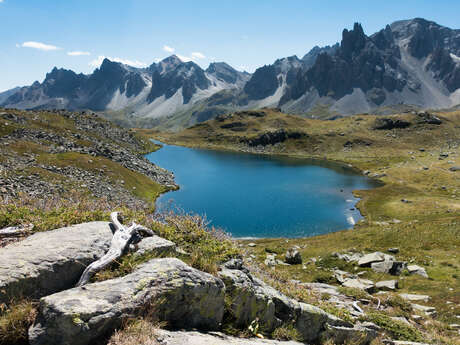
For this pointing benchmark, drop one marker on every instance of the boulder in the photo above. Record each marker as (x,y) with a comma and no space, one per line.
(271,260)
(454,168)
(415,269)
(51,261)
(387,285)
(358,335)
(362,284)
(385,123)
(414,297)
(425,309)
(368,259)
(250,298)
(195,338)
(178,294)
(293,257)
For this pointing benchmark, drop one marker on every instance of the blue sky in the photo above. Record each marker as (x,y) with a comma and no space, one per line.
(37,35)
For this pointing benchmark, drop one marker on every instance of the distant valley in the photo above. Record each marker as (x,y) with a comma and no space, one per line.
(408,64)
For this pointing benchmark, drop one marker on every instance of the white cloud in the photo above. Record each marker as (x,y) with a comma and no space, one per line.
(168,49)
(39,45)
(78,53)
(198,55)
(134,63)
(184,58)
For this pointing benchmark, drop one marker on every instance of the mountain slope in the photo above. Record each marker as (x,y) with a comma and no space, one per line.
(408,63)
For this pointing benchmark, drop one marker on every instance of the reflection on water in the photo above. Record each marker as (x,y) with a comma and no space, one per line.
(262,196)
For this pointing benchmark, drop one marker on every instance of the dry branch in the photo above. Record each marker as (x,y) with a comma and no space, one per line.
(122,237)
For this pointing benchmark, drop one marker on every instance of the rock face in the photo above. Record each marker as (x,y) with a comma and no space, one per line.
(195,338)
(178,294)
(51,261)
(250,298)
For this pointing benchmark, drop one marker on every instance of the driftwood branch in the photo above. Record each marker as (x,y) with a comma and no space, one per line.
(122,237)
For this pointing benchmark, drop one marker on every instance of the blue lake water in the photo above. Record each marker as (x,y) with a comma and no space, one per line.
(251,195)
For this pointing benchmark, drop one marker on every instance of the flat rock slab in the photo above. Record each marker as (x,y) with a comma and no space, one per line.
(414,297)
(51,261)
(178,294)
(196,338)
(155,244)
(362,284)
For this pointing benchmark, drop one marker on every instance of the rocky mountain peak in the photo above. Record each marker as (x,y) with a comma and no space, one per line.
(353,41)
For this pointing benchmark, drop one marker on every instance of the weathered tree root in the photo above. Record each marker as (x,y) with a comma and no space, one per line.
(122,238)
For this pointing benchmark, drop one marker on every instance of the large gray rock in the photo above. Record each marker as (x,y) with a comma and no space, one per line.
(250,298)
(51,261)
(358,283)
(180,295)
(368,259)
(415,269)
(195,338)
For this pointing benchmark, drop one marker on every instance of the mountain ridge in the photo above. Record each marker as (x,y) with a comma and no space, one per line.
(412,62)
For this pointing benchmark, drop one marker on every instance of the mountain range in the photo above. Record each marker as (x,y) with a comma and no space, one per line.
(410,63)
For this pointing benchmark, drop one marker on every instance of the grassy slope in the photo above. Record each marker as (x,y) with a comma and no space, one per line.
(429,231)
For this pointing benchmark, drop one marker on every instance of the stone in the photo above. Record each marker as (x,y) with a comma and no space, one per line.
(341,276)
(454,326)
(51,261)
(415,269)
(271,260)
(251,298)
(402,342)
(252,244)
(357,335)
(397,268)
(155,245)
(454,168)
(393,250)
(215,338)
(368,259)
(179,295)
(387,285)
(425,309)
(362,284)
(414,297)
(293,257)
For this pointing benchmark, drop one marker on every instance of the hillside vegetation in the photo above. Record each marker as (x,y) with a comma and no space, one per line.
(417,210)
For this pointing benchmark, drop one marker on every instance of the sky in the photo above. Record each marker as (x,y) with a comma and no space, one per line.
(36,35)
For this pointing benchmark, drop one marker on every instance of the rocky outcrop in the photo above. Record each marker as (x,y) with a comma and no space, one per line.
(178,294)
(272,138)
(195,338)
(293,256)
(388,123)
(249,298)
(51,261)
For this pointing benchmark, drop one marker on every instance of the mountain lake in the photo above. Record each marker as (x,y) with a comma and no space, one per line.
(255,195)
